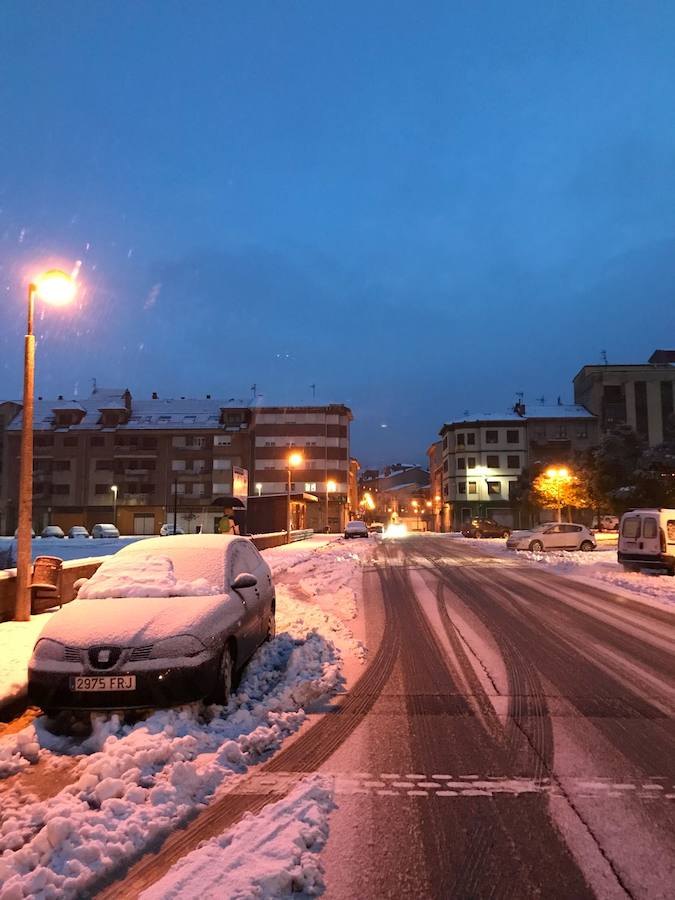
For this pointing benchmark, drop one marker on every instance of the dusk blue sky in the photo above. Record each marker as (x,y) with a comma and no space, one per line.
(421,208)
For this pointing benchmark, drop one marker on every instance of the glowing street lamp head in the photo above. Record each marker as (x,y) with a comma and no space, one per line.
(55,287)
(331,487)
(113,488)
(295,460)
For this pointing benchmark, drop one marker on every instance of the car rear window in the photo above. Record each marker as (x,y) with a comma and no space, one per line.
(631,527)
(649,528)
(671,530)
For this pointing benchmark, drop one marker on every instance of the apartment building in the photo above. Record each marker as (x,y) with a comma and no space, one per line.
(641,396)
(110,455)
(393,489)
(484,455)
(321,435)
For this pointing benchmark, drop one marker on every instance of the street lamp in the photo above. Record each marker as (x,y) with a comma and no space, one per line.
(558,478)
(331,487)
(113,488)
(415,506)
(258,488)
(295,460)
(57,289)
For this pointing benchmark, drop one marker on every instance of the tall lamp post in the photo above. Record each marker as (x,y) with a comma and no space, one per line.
(113,488)
(295,460)
(57,289)
(331,487)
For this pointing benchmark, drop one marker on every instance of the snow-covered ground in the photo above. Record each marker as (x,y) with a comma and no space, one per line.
(133,783)
(65,548)
(16,645)
(599,568)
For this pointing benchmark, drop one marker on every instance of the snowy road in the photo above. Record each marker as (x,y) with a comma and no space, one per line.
(520,741)
(512,735)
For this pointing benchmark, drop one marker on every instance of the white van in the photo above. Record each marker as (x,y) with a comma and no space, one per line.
(647,540)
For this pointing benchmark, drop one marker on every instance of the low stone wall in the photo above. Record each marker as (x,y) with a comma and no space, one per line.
(85,568)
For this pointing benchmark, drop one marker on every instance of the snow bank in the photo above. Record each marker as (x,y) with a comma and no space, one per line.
(16,645)
(134,784)
(273,854)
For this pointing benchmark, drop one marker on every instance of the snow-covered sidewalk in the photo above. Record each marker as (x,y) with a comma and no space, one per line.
(598,568)
(133,784)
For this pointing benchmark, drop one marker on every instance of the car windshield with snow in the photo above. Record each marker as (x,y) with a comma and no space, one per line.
(163,622)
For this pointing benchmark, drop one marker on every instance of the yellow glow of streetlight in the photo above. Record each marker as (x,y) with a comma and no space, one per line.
(414,503)
(429,503)
(295,460)
(557,473)
(331,486)
(55,287)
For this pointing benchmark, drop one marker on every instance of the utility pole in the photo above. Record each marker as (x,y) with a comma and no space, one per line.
(175,504)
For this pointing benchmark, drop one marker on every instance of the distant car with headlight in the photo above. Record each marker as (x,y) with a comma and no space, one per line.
(163,622)
(396,529)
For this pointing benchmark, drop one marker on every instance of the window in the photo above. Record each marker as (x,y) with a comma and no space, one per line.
(631,527)
(512,462)
(460,439)
(561,431)
(649,528)
(222,440)
(472,487)
(471,462)
(461,487)
(512,436)
(461,462)
(310,485)
(105,464)
(582,431)
(44,440)
(492,462)
(491,436)
(445,442)
(60,489)
(102,489)
(149,443)
(671,530)
(494,487)
(471,439)
(445,465)
(97,441)
(177,465)
(70,442)
(62,465)
(270,443)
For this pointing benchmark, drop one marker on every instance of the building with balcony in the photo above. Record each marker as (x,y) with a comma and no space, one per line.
(165,454)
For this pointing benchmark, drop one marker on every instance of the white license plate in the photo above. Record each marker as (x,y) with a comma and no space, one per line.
(103,683)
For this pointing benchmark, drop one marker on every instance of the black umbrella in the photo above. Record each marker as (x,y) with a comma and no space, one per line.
(233,502)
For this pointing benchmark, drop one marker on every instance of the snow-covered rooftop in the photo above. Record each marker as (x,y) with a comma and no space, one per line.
(145,414)
(535,411)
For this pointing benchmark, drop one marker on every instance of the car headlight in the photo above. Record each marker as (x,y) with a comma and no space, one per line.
(175,647)
(46,649)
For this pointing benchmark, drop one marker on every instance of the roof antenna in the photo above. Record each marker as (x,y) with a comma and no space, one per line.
(603,357)
(541,400)
(93,385)
(254,389)
(313,387)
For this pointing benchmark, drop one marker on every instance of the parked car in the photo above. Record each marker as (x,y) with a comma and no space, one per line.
(52,531)
(647,540)
(553,536)
(78,531)
(480,528)
(606,523)
(356,529)
(104,531)
(163,622)
(376,528)
(167,530)
(32,533)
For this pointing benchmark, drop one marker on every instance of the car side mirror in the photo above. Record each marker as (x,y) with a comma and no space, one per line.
(244,580)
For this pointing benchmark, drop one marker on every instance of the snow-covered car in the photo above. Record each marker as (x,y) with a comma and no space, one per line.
(32,533)
(356,529)
(163,622)
(167,530)
(376,528)
(52,531)
(78,531)
(553,536)
(105,530)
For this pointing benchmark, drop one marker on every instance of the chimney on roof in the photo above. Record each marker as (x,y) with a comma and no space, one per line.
(519,408)
(208,396)
(60,397)
(154,395)
(559,402)
(182,398)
